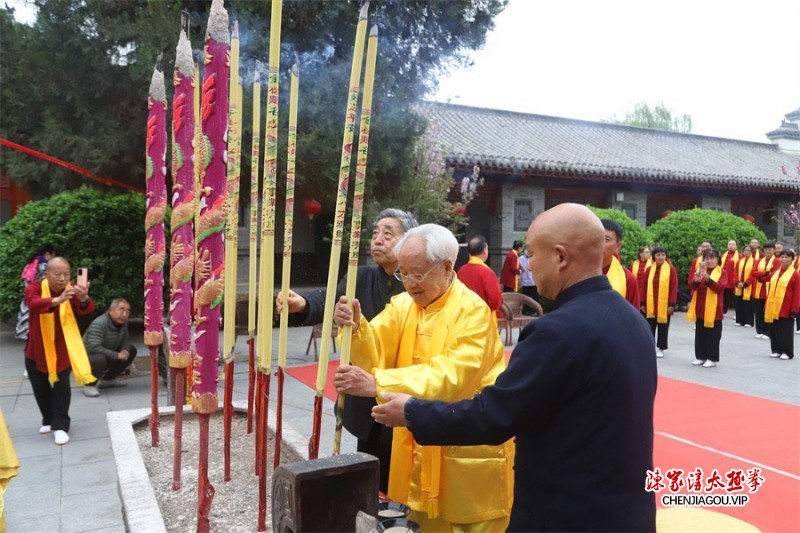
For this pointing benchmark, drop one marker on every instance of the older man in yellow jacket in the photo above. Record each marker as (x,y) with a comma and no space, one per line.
(9,466)
(436,341)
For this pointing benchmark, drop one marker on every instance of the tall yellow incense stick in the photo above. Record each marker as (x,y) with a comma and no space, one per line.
(338,227)
(252,275)
(232,224)
(231,242)
(266,269)
(267,272)
(287,252)
(358,208)
(255,154)
(289,212)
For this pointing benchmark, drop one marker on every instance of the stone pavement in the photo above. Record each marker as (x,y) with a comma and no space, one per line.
(74,487)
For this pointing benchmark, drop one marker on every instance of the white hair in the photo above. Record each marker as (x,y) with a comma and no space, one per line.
(440,243)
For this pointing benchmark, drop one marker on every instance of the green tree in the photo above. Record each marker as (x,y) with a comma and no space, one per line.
(425,191)
(658,117)
(633,234)
(682,231)
(107,238)
(75,82)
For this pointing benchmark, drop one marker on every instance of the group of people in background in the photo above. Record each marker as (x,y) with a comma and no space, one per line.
(763,288)
(54,347)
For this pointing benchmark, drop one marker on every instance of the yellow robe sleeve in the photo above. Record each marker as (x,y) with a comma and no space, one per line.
(373,343)
(455,354)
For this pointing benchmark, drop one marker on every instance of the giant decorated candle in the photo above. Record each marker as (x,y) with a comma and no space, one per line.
(183,207)
(156,208)
(209,267)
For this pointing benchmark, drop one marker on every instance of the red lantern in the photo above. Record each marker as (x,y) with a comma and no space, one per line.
(311,208)
(749,218)
(459,209)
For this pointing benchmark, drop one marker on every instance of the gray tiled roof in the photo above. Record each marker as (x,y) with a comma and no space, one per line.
(529,144)
(787,129)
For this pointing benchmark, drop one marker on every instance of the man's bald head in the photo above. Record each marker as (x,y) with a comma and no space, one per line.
(57,274)
(57,263)
(566,245)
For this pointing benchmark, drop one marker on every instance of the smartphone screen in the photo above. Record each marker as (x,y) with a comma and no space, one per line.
(83,276)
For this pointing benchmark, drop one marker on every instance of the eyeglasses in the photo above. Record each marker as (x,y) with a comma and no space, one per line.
(416,278)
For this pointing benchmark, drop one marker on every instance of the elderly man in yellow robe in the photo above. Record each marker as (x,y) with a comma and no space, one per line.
(9,466)
(436,341)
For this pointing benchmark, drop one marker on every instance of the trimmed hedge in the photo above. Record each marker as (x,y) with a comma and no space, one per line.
(682,231)
(633,234)
(102,231)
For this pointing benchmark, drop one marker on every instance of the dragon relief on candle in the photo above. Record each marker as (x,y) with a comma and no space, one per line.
(182,265)
(155,214)
(210,285)
(154,259)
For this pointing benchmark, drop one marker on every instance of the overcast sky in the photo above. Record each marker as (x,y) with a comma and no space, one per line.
(733,65)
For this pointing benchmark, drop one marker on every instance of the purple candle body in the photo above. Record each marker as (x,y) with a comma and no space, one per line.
(155,245)
(183,208)
(210,264)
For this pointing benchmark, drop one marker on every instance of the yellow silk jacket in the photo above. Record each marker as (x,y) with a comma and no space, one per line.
(447,351)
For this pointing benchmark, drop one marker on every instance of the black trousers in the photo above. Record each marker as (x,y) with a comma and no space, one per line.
(383,451)
(53,399)
(706,340)
(506,288)
(745,311)
(761,326)
(102,369)
(663,332)
(781,338)
(530,290)
(728,301)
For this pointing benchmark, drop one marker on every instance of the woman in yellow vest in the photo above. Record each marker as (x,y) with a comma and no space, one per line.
(745,311)
(783,304)
(708,288)
(660,297)
(762,270)
(639,268)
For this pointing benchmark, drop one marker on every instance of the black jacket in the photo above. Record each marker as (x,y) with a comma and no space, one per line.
(578,395)
(374,289)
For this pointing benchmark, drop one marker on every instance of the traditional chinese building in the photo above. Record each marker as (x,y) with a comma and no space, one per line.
(530,163)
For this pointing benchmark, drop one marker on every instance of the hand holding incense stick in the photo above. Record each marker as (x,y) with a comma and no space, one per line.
(358,209)
(338,227)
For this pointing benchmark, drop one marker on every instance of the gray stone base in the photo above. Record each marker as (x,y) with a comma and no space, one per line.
(139,505)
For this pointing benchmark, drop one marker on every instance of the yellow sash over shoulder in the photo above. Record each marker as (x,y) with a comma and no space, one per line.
(663,293)
(72,337)
(616,276)
(744,267)
(777,292)
(710,312)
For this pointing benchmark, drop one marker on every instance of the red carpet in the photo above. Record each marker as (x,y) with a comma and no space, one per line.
(698,426)
(308,376)
(735,431)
